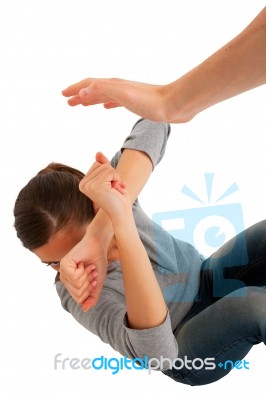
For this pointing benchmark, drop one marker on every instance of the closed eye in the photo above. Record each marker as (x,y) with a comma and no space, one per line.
(53,264)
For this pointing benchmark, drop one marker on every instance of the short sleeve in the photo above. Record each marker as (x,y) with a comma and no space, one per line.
(148,137)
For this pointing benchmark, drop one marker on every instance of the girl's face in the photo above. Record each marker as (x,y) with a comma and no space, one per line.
(59,245)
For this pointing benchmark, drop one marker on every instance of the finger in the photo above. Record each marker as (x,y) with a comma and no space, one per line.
(74,89)
(92,172)
(75,282)
(74,101)
(89,274)
(104,91)
(111,105)
(67,270)
(92,184)
(89,303)
(96,172)
(81,298)
(100,158)
(119,186)
(81,294)
(105,173)
(91,300)
(75,276)
(90,268)
(92,274)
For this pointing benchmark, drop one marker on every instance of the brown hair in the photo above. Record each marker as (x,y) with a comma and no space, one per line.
(50,201)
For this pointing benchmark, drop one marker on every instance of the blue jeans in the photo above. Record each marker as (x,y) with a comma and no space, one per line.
(229,314)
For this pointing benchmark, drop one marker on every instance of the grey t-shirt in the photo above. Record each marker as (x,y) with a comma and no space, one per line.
(176,265)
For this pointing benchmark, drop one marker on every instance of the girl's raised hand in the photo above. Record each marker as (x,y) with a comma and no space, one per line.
(103,186)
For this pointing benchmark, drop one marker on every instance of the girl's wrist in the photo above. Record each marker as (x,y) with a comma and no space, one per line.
(122,219)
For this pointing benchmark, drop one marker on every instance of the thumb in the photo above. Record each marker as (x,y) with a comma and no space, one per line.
(100,158)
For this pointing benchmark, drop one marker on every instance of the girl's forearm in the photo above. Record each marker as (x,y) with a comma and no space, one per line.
(145,304)
(237,67)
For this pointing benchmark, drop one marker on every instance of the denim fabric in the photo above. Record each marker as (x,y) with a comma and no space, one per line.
(229,314)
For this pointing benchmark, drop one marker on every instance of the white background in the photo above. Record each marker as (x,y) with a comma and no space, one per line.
(48,45)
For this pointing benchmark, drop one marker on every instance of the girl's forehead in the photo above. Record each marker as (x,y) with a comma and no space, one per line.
(59,244)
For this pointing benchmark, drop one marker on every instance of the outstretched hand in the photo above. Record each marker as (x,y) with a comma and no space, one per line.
(142,99)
